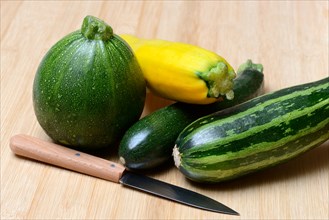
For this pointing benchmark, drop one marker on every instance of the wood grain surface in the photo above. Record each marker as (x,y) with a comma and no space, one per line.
(290,38)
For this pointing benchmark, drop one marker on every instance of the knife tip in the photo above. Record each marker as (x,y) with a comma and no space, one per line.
(230,211)
(235,213)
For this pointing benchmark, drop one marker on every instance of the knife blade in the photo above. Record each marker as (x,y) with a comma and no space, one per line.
(47,152)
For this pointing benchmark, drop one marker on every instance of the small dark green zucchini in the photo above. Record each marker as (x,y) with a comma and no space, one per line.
(257,134)
(149,142)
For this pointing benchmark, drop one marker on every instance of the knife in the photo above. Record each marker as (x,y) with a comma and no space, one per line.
(37,149)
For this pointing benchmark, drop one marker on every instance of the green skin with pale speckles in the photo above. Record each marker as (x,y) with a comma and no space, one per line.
(88,88)
(255,135)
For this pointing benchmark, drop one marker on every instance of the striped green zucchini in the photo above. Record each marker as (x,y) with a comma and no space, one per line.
(257,134)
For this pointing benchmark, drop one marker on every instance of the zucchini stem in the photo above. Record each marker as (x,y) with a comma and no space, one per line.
(96,29)
(250,65)
(177,156)
(219,81)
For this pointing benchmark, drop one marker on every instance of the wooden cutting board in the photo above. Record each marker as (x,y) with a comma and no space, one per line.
(290,38)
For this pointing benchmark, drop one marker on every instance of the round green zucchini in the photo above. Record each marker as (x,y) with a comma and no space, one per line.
(149,142)
(255,135)
(89,88)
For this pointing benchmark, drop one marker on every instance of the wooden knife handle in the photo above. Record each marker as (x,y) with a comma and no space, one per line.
(51,153)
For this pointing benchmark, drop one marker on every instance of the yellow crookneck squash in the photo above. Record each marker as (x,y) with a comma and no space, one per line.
(183,72)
